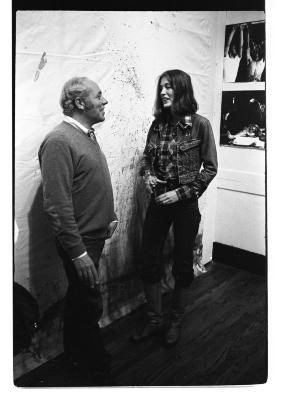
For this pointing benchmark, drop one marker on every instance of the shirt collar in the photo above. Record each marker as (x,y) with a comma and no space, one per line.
(184,122)
(75,123)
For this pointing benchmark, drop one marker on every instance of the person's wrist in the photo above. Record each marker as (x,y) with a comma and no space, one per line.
(194,193)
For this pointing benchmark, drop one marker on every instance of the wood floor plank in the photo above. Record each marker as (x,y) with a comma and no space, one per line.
(223,341)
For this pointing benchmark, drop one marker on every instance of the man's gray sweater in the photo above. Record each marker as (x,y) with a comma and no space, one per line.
(77,191)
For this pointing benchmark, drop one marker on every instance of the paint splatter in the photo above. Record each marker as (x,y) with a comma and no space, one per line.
(41,64)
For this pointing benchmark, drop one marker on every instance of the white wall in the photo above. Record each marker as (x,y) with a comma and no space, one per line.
(240,216)
(216,97)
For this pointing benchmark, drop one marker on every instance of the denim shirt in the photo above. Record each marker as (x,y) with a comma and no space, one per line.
(196,155)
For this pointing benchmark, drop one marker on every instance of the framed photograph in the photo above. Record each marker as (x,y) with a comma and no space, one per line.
(243,119)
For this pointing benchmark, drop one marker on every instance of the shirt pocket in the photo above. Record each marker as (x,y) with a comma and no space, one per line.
(189,144)
(189,153)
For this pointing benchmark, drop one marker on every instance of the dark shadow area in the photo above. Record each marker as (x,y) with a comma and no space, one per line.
(252,262)
(38,291)
(43,301)
(25,318)
(47,278)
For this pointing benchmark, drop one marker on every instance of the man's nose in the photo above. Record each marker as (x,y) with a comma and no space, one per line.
(105,101)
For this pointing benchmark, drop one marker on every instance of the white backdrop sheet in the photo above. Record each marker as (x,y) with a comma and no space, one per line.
(124,52)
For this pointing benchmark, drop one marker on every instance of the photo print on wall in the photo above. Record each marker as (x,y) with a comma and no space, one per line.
(243,119)
(244,52)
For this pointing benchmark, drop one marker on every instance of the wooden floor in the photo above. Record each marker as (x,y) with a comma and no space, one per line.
(224,340)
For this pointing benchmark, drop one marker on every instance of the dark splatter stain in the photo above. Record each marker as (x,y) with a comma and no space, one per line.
(133,80)
(41,64)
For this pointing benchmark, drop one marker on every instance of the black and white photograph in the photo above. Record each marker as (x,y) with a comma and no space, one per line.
(139,214)
(244,53)
(243,119)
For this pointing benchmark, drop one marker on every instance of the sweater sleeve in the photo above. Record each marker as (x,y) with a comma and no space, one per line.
(57,168)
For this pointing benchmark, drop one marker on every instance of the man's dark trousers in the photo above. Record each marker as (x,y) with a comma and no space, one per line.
(83,343)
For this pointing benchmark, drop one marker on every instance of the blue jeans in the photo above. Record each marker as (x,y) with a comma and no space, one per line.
(185,217)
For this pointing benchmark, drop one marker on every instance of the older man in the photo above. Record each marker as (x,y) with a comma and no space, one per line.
(78,201)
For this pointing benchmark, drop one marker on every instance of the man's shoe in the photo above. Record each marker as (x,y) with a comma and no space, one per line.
(173,334)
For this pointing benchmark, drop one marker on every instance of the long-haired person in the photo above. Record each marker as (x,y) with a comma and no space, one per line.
(179,161)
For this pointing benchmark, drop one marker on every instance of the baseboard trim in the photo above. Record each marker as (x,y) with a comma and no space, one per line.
(243,259)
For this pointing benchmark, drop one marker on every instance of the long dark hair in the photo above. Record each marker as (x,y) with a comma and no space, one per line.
(183,102)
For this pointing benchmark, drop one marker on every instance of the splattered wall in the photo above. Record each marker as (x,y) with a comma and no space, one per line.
(124,52)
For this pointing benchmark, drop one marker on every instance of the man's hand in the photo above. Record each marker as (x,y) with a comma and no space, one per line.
(167,198)
(151,181)
(86,270)
(111,228)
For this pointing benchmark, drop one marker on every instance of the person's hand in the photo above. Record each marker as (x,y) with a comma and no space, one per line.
(86,270)
(151,181)
(167,198)
(230,136)
(111,228)
(234,28)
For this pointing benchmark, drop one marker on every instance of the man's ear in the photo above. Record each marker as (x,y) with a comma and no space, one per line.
(79,103)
